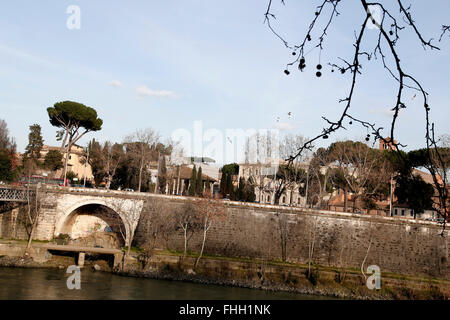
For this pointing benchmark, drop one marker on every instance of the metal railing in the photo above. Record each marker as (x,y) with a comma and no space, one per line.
(15,194)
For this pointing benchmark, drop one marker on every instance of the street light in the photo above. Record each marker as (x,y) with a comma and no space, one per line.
(85,166)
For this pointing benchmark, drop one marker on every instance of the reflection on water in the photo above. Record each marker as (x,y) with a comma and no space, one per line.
(17,283)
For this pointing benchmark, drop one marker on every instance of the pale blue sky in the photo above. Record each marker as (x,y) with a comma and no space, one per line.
(165,64)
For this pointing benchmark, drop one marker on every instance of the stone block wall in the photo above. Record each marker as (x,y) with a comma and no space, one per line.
(331,239)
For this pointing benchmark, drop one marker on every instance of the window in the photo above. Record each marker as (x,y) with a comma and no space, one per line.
(411,212)
(395,211)
(403,212)
(268,198)
(283,199)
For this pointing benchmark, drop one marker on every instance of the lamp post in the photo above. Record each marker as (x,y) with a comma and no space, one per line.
(307,183)
(85,166)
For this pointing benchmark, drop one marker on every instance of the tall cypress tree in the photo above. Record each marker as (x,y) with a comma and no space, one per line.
(222,185)
(229,186)
(35,143)
(162,176)
(199,182)
(193,182)
(208,185)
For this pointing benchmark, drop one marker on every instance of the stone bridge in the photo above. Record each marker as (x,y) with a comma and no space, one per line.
(79,212)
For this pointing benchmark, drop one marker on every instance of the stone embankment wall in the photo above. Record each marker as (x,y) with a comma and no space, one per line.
(331,239)
(257,231)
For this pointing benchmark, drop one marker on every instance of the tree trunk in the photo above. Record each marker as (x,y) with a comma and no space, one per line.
(34,222)
(185,243)
(345,199)
(157,174)
(178,180)
(66,160)
(140,177)
(201,251)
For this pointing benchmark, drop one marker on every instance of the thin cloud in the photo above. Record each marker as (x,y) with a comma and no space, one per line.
(116,83)
(144,91)
(384,111)
(284,126)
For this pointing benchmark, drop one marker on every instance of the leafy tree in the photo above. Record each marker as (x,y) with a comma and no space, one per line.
(287,176)
(415,192)
(365,170)
(7,153)
(71,176)
(230,169)
(5,166)
(53,160)
(193,182)
(249,190)
(35,143)
(96,161)
(226,182)
(75,120)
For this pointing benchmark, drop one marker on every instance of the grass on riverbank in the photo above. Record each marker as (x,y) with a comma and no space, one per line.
(350,271)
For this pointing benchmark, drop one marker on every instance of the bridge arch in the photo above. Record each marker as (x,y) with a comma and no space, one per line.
(87,216)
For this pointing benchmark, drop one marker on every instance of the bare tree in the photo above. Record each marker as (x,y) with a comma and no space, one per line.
(208,210)
(160,224)
(284,227)
(32,211)
(311,226)
(139,145)
(186,219)
(5,140)
(113,155)
(124,217)
(385,47)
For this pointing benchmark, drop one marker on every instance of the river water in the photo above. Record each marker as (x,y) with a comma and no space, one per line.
(50,284)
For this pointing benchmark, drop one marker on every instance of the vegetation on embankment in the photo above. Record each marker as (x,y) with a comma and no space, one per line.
(257,274)
(282,276)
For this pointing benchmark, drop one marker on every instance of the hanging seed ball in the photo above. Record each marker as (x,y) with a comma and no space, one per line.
(391,33)
(325,137)
(332,70)
(342,71)
(367,139)
(319,66)
(302,61)
(308,37)
(373,21)
(350,122)
(286,71)
(294,53)
(318,74)
(317,13)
